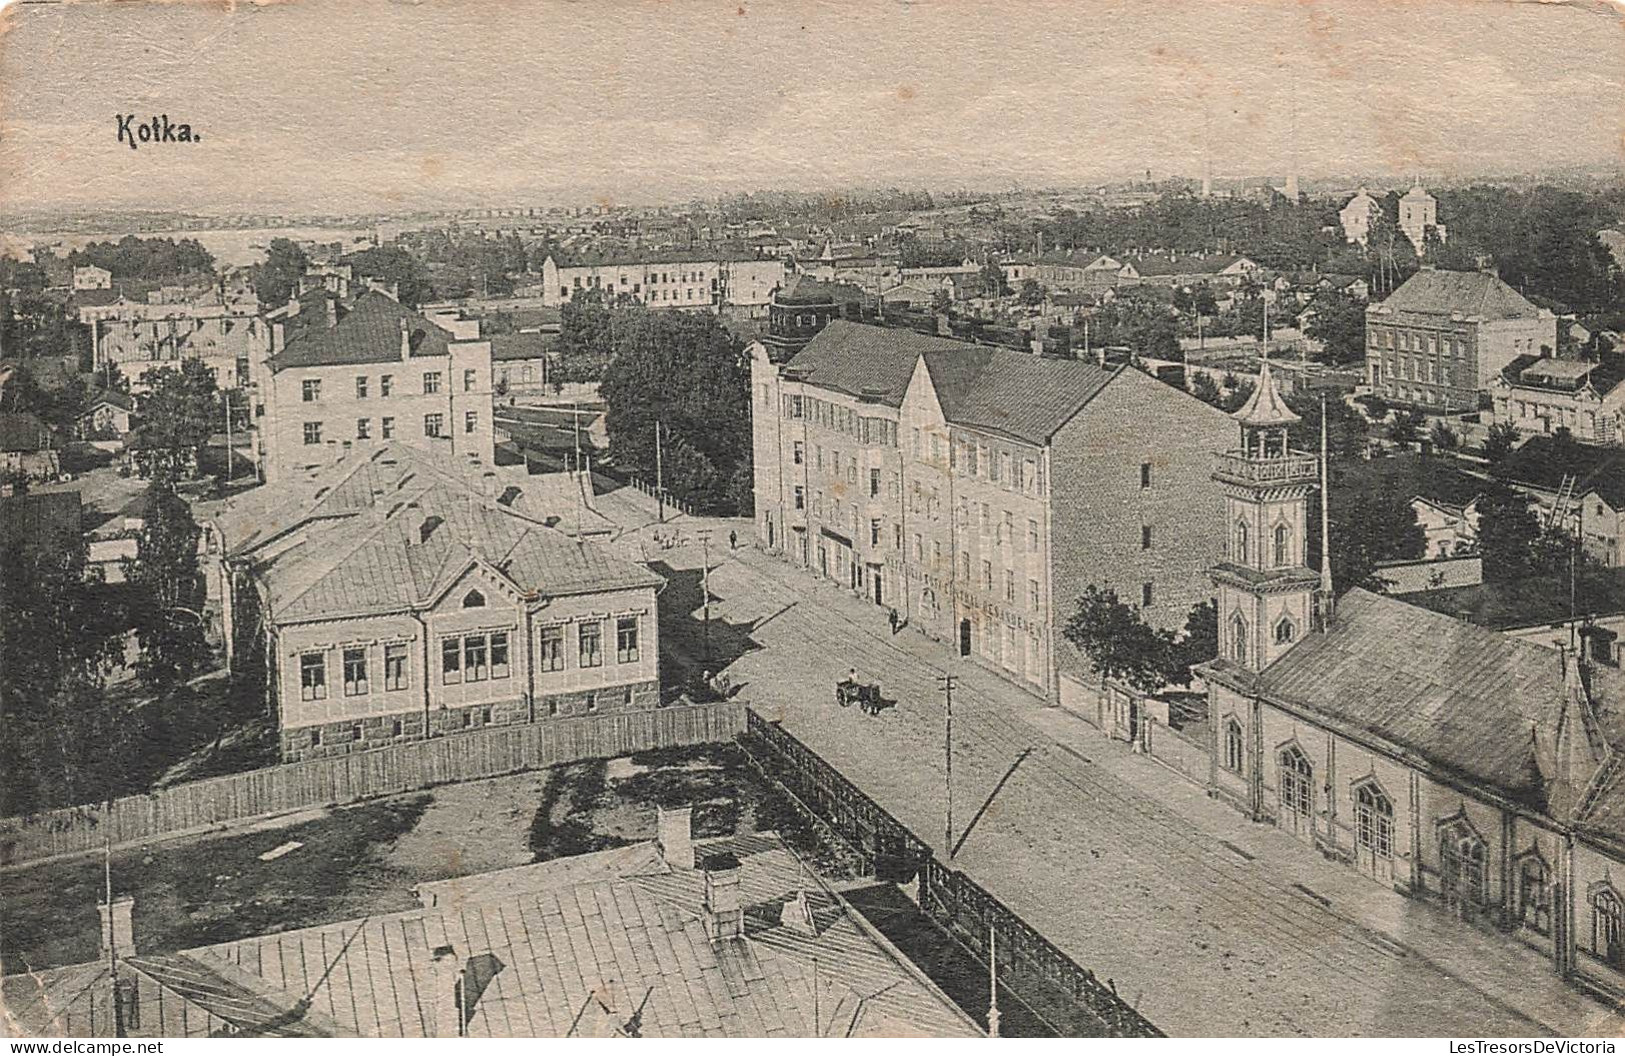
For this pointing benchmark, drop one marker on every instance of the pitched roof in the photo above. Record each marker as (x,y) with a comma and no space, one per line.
(1020,395)
(1467,700)
(619,950)
(24,432)
(507,347)
(1265,407)
(368,333)
(804,289)
(1434,291)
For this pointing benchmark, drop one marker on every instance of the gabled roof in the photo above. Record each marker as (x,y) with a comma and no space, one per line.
(368,333)
(982,387)
(1469,701)
(1265,407)
(507,347)
(1478,294)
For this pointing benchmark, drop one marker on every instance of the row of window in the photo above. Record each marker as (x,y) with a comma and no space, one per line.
(1451,345)
(311,388)
(468,658)
(434,425)
(1280,546)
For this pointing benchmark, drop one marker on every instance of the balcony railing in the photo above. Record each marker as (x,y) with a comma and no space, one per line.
(1294,467)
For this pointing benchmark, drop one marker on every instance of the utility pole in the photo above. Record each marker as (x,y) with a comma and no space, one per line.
(705,586)
(226,396)
(992,982)
(660,485)
(946,684)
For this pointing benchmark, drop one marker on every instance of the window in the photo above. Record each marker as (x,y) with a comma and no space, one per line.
(1240,556)
(1232,747)
(473,600)
(1461,860)
(485,716)
(552,649)
(592,702)
(1534,894)
(474,669)
(386,384)
(313,676)
(361,387)
(1032,537)
(874,532)
(499,655)
(1032,595)
(1285,632)
(468,719)
(432,424)
(799,453)
(626,640)
(431,382)
(1608,927)
(1283,535)
(1145,474)
(1009,586)
(1297,789)
(395,728)
(311,390)
(355,672)
(1145,537)
(363,428)
(1145,595)
(394,667)
(874,483)
(987,576)
(801,498)
(590,639)
(451,661)
(468,380)
(471,421)
(313,432)
(357,732)
(1238,638)
(1373,820)
(386,427)
(315,738)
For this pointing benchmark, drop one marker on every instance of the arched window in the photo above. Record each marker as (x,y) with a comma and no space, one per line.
(473,600)
(1373,820)
(1238,639)
(1297,782)
(1461,858)
(1283,535)
(1285,631)
(1534,894)
(1608,926)
(1232,746)
(1241,542)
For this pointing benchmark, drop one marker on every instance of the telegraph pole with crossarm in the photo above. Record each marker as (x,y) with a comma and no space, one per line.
(946,683)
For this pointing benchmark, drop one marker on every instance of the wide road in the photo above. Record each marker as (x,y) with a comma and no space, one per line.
(1208,924)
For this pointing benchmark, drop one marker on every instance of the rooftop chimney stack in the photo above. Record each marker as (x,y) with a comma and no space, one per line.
(406,340)
(674,837)
(797,915)
(448,972)
(118,926)
(724,912)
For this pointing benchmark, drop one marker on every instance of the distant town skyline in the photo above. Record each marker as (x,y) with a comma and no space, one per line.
(324,107)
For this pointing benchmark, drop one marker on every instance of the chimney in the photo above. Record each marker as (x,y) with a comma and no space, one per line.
(406,340)
(674,837)
(724,914)
(447,972)
(332,311)
(797,915)
(944,328)
(122,930)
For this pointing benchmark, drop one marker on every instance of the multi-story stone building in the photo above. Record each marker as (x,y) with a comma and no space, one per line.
(1443,337)
(137,336)
(341,378)
(802,308)
(1357,216)
(1542,394)
(727,283)
(404,592)
(1453,763)
(977,491)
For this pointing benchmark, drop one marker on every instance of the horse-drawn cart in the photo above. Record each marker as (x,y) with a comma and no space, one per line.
(866,695)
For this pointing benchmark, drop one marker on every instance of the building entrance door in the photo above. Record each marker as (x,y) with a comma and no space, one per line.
(964,637)
(823,561)
(874,578)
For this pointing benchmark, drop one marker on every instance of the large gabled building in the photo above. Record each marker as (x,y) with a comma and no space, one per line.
(403,593)
(978,490)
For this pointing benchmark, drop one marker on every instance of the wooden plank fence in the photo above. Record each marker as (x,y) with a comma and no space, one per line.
(212,802)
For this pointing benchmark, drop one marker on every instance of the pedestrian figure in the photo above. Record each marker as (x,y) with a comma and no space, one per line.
(733,540)
(892,617)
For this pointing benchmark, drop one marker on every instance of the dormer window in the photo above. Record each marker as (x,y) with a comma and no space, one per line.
(473,600)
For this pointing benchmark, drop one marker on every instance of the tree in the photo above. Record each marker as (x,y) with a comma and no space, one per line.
(994,283)
(277,279)
(942,300)
(179,412)
(1338,323)
(1406,428)
(392,264)
(1031,292)
(1119,643)
(1368,527)
(1205,389)
(1498,444)
(1443,437)
(1508,531)
(586,337)
(688,373)
(1198,644)
(164,575)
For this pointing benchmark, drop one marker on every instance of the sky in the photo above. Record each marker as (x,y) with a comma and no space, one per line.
(329,106)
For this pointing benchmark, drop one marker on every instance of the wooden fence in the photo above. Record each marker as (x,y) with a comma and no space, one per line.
(201,805)
(1065,994)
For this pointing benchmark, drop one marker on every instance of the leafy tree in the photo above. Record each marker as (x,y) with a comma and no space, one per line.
(147,259)
(165,577)
(393,264)
(1198,644)
(1508,531)
(1498,444)
(1443,437)
(1406,428)
(1338,323)
(1346,428)
(994,283)
(1118,642)
(1205,389)
(277,279)
(942,301)
(586,337)
(1368,527)
(1031,292)
(178,412)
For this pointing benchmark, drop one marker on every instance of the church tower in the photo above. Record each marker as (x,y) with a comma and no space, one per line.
(1267,595)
